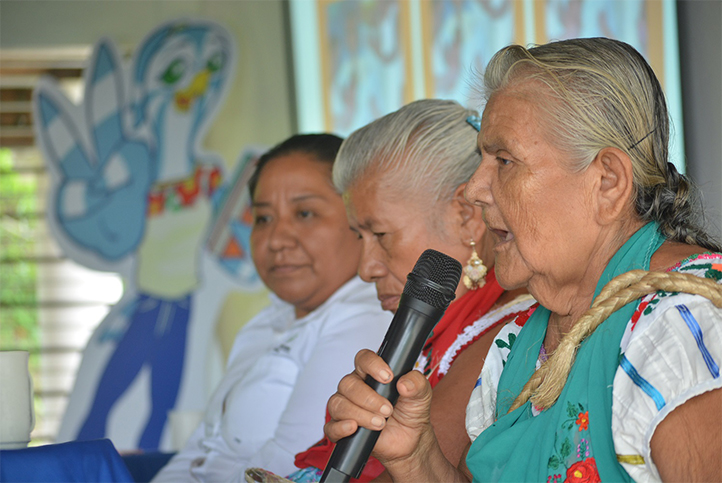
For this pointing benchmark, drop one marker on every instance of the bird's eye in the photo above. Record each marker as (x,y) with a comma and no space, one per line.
(215,63)
(174,72)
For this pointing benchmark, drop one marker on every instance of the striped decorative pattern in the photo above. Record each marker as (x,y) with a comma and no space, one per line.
(643,384)
(699,338)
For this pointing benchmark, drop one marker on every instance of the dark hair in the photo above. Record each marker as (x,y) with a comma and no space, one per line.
(323,147)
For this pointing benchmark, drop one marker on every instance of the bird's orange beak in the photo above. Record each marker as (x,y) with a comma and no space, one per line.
(184,99)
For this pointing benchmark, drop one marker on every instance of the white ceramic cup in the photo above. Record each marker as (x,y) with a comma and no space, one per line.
(17,416)
(182,425)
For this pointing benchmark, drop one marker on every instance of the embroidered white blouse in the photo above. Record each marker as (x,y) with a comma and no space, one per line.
(671,352)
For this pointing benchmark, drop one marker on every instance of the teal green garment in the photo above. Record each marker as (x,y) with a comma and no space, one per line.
(563,443)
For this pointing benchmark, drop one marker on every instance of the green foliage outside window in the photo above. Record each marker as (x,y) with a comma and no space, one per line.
(18,271)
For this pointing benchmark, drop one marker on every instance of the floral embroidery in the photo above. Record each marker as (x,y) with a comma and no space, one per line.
(560,454)
(554,478)
(701,256)
(583,421)
(583,472)
(501,343)
(572,454)
(715,273)
(638,313)
(711,270)
(651,303)
(521,320)
(583,448)
(575,412)
(647,305)
(572,433)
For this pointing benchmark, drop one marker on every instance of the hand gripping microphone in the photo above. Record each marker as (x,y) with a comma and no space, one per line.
(429,289)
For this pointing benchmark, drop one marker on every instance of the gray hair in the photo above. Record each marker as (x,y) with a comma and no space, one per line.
(604,94)
(428,142)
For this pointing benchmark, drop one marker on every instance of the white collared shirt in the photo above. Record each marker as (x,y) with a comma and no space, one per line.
(281,371)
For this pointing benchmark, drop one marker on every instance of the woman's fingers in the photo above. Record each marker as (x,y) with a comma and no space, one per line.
(368,363)
(336,430)
(355,389)
(347,416)
(355,404)
(414,403)
(414,385)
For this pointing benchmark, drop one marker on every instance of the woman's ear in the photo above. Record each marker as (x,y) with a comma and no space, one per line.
(615,188)
(471,225)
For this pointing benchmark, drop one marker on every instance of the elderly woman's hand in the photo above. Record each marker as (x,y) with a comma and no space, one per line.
(356,404)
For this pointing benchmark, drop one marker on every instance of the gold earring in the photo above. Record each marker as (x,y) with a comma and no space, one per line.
(475,270)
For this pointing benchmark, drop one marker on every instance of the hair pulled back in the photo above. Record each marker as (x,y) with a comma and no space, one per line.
(323,147)
(426,147)
(602,93)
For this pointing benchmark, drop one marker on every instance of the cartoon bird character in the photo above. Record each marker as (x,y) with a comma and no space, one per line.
(133,192)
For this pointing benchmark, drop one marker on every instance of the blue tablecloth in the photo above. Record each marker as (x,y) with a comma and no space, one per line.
(77,461)
(144,466)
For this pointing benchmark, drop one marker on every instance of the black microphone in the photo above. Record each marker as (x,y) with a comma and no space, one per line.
(429,289)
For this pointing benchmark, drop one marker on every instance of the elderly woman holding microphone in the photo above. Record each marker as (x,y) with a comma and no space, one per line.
(615,376)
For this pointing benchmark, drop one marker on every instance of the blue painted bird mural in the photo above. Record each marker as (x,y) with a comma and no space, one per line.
(134,192)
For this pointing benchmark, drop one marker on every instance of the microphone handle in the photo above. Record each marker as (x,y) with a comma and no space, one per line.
(401,347)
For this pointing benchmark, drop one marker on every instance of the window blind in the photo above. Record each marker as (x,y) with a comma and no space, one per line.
(49,305)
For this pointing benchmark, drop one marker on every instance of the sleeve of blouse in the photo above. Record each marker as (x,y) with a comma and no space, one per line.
(672,357)
(482,403)
(331,358)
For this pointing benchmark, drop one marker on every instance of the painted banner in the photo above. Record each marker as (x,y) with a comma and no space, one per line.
(133,192)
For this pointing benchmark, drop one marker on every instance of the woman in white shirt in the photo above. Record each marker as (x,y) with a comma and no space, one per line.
(286,362)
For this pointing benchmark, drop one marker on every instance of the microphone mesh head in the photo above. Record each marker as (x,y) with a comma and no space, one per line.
(442,271)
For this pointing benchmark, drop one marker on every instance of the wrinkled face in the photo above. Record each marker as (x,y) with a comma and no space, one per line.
(539,212)
(394,230)
(300,243)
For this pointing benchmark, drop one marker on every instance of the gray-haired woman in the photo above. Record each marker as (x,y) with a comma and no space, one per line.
(576,187)
(402,178)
